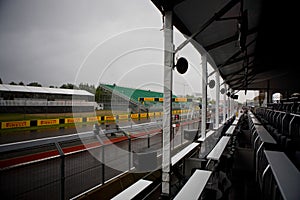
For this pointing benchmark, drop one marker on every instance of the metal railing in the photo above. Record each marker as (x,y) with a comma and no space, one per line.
(65,166)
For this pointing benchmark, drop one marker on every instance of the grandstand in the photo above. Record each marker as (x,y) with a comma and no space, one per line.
(29,99)
(127,99)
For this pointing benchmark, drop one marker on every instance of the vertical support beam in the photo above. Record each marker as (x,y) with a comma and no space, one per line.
(269,98)
(62,171)
(148,141)
(217,99)
(103,157)
(234,107)
(129,153)
(224,104)
(231,104)
(167,105)
(103,164)
(204,94)
(228,106)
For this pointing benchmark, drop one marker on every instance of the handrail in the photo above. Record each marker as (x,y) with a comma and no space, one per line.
(230,130)
(177,157)
(217,151)
(133,190)
(194,186)
(286,174)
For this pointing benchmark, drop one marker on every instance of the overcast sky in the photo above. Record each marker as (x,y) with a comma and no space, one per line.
(91,41)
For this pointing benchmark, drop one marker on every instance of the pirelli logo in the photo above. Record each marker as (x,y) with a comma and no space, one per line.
(109,118)
(72,120)
(45,122)
(143,115)
(93,119)
(15,124)
(121,117)
(134,116)
(180,99)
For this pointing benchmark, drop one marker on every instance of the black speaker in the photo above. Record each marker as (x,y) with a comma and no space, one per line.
(182,65)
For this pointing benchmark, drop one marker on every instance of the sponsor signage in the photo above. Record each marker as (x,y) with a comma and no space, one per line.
(92,119)
(143,115)
(121,117)
(15,124)
(180,99)
(148,99)
(134,116)
(109,118)
(45,122)
(151,114)
(72,120)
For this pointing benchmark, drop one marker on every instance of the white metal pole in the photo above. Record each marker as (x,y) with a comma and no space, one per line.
(167,105)
(204,95)
(228,105)
(217,99)
(224,104)
(231,104)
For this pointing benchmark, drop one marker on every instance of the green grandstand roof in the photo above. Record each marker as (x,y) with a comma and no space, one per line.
(133,94)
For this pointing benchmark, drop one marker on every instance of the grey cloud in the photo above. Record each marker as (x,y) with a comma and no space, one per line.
(47,40)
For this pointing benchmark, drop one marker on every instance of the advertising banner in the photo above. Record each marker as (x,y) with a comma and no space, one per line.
(15,124)
(45,122)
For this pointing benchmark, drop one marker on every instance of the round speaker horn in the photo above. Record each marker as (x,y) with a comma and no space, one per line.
(182,65)
(211,84)
(222,91)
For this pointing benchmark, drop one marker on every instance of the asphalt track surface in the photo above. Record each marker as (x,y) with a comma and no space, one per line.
(83,167)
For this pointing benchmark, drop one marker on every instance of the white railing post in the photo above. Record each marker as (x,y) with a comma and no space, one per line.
(217,99)
(204,94)
(167,105)
(224,104)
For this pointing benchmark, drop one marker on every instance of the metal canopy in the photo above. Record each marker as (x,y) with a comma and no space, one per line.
(268,60)
(44,90)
